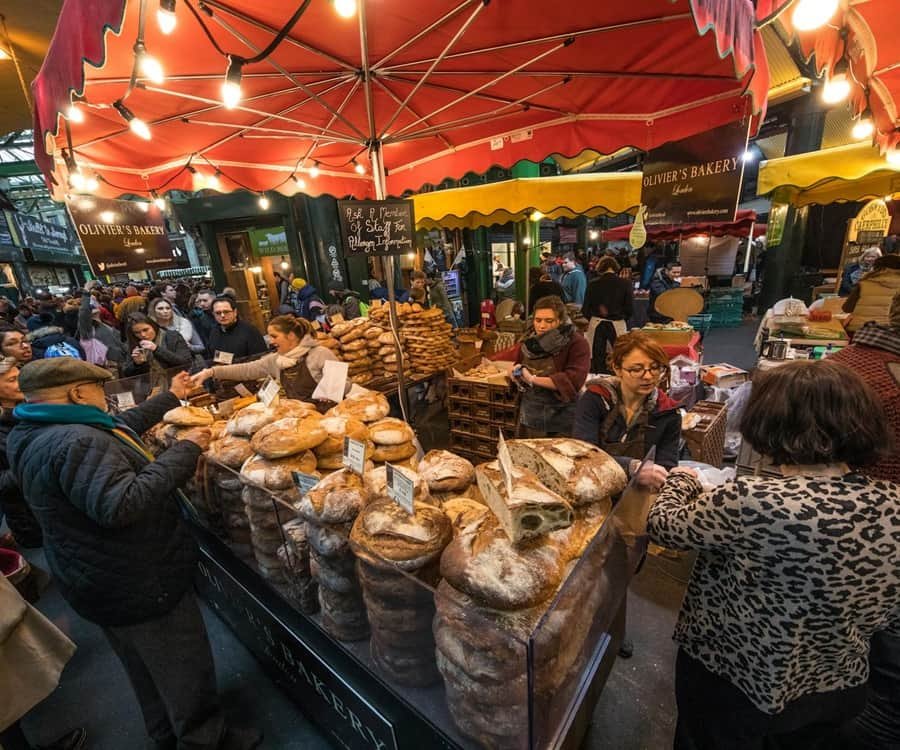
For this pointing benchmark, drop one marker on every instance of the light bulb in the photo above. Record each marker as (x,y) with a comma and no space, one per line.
(299,182)
(314,170)
(748,156)
(150,67)
(811,14)
(345,8)
(213,182)
(160,203)
(91,185)
(256,269)
(536,215)
(863,129)
(74,114)
(526,240)
(358,168)
(139,128)
(594,234)
(231,88)
(165,16)
(4,55)
(284,264)
(264,203)
(77,180)
(108,217)
(893,157)
(143,206)
(888,198)
(836,89)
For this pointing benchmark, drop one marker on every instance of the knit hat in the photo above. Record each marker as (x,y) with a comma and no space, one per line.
(298,283)
(894,314)
(50,373)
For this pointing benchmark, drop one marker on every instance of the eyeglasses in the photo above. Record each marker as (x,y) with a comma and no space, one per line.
(223,313)
(638,371)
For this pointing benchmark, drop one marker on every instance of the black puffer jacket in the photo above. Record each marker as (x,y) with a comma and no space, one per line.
(113,534)
(19,518)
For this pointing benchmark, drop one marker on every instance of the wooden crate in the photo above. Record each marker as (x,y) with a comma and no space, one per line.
(706,441)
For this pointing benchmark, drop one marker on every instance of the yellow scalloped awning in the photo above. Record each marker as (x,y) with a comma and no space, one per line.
(847,173)
(515,200)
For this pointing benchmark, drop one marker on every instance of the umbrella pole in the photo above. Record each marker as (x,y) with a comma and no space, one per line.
(387,262)
(749,248)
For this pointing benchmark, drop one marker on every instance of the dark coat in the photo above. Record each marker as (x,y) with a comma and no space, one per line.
(113,534)
(241,340)
(171,351)
(43,338)
(660,428)
(660,284)
(608,296)
(543,289)
(19,518)
(203,323)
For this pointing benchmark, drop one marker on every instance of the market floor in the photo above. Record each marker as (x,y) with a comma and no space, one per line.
(636,710)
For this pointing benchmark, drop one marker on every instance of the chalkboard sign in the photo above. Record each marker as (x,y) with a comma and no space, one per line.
(377,227)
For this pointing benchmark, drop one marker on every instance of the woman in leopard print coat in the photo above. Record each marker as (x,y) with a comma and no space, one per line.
(794,574)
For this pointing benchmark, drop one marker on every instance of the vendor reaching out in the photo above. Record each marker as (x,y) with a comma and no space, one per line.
(297,361)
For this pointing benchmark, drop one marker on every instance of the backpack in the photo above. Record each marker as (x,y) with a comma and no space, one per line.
(62,349)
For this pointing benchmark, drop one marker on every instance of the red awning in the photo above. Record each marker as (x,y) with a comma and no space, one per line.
(434,88)
(740,227)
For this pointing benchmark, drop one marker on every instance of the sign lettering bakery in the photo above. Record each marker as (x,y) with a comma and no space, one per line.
(123,236)
(697,178)
(377,227)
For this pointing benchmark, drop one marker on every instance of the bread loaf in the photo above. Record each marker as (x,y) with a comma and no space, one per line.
(579,471)
(230,451)
(288,436)
(390,431)
(446,472)
(338,428)
(337,498)
(391,453)
(188,416)
(369,407)
(376,483)
(276,474)
(462,512)
(248,420)
(386,530)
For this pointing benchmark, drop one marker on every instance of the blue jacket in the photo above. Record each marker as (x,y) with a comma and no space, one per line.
(574,284)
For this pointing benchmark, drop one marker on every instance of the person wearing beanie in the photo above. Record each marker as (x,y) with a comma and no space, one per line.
(116,542)
(304,301)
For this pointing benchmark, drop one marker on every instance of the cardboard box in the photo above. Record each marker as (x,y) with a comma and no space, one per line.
(723,375)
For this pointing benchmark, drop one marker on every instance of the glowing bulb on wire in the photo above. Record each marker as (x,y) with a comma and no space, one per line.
(836,88)
(358,168)
(165,16)
(345,8)
(893,157)
(74,114)
(811,14)
(314,170)
(863,129)
(139,128)
(536,216)
(264,202)
(77,180)
(150,67)
(299,182)
(91,185)
(231,88)
(213,182)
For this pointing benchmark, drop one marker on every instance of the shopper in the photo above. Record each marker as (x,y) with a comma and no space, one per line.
(14,343)
(201,314)
(33,655)
(627,413)
(418,288)
(162,311)
(608,304)
(542,285)
(347,300)
(52,341)
(20,322)
(553,364)
(794,574)
(19,517)
(855,271)
(666,278)
(297,361)
(152,350)
(116,542)
(134,302)
(102,344)
(574,282)
(232,336)
(871,298)
(282,292)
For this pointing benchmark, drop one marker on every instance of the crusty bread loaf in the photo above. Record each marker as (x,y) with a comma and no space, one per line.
(369,407)
(338,428)
(387,531)
(288,436)
(276,474)
(579,471)
(462,512)
(338,498)
(391,431)
(231,451)
(248,420)
(531,511)
(446,472)
(188,416)
(290,407)
(376,483)
(391,453)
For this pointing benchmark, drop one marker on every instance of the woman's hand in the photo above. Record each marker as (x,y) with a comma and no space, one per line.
(526,376)
(148,345)
(138,355)
(201,377)
(652,476)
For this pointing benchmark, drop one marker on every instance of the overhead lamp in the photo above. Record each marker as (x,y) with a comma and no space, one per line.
(526,240)
(299,182)
(256,269)
(837,85)
(811,14)
(74,114)
(345,8)
(136,124)
(91,185)
(213,182)
(284,264)
(160,203)
(165,16)
(864,127)
(314,170)
(148,66)
(536,215)
(4,55)
(107,217)
(888,198)
(357,167)
(893,157)
(748,156)
(231,88)
(594,234)
(77,180)
(264,202)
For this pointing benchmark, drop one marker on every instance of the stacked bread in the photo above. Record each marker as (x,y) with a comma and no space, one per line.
(379,313)
(393,549)
(294,556)
(354,348)
(365,406)
(426,336)
(225,458)
(394,440)
(387,353)
(330,452)
(329,510)
(501,576)
(448,475)
(373,342)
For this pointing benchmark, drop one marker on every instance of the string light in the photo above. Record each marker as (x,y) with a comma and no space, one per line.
(357,167)
(136,124)
(107,217)
(299,182)
(148,65)
(526,240)
(4,55)
(74,114)
(888,198)
(231,88)
(594,234)
(837,85)
(536,215)
(264,202)
(893,157)
(811,14)
(748,156)
(256,269)
(213,182)
(160,203)
(314,170)
(165,16)
(91,185)
(864,126)
(284,264)
(345,8)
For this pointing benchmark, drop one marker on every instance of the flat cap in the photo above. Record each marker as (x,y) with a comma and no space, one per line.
(56,371)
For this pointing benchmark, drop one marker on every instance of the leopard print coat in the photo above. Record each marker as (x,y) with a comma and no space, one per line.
(792,578)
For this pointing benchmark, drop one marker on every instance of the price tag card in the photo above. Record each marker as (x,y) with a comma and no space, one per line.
(268,394)
(354,455)
(506,465)
(400,488)
(223,358)
(242,390)
(125,400)
(304,482)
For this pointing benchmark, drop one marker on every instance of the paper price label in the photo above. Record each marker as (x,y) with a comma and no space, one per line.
(242,390)
(506,466)
(223,358)
(125,400)
(268,394)
(354,455)
(304,482)
(400,488)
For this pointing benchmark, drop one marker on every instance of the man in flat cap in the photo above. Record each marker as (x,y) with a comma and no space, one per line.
(116,542)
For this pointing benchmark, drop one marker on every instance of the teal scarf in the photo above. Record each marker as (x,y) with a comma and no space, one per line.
(64,414)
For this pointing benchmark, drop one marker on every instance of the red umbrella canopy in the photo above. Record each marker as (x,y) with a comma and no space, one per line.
(858,44)
(432,89)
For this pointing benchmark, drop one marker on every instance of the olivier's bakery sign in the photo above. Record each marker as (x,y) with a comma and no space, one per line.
(123,236)
(697,179)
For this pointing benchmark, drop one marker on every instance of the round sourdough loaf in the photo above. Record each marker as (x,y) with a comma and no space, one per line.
(288,436)
(446,472)
(338,498)
(338,428)
(391,431)
(276,474)
(188,416)
(387,531)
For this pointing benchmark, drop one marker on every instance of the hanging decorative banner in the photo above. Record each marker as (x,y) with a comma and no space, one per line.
(377,227)
(637,237)
(697,178)
(123,236)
